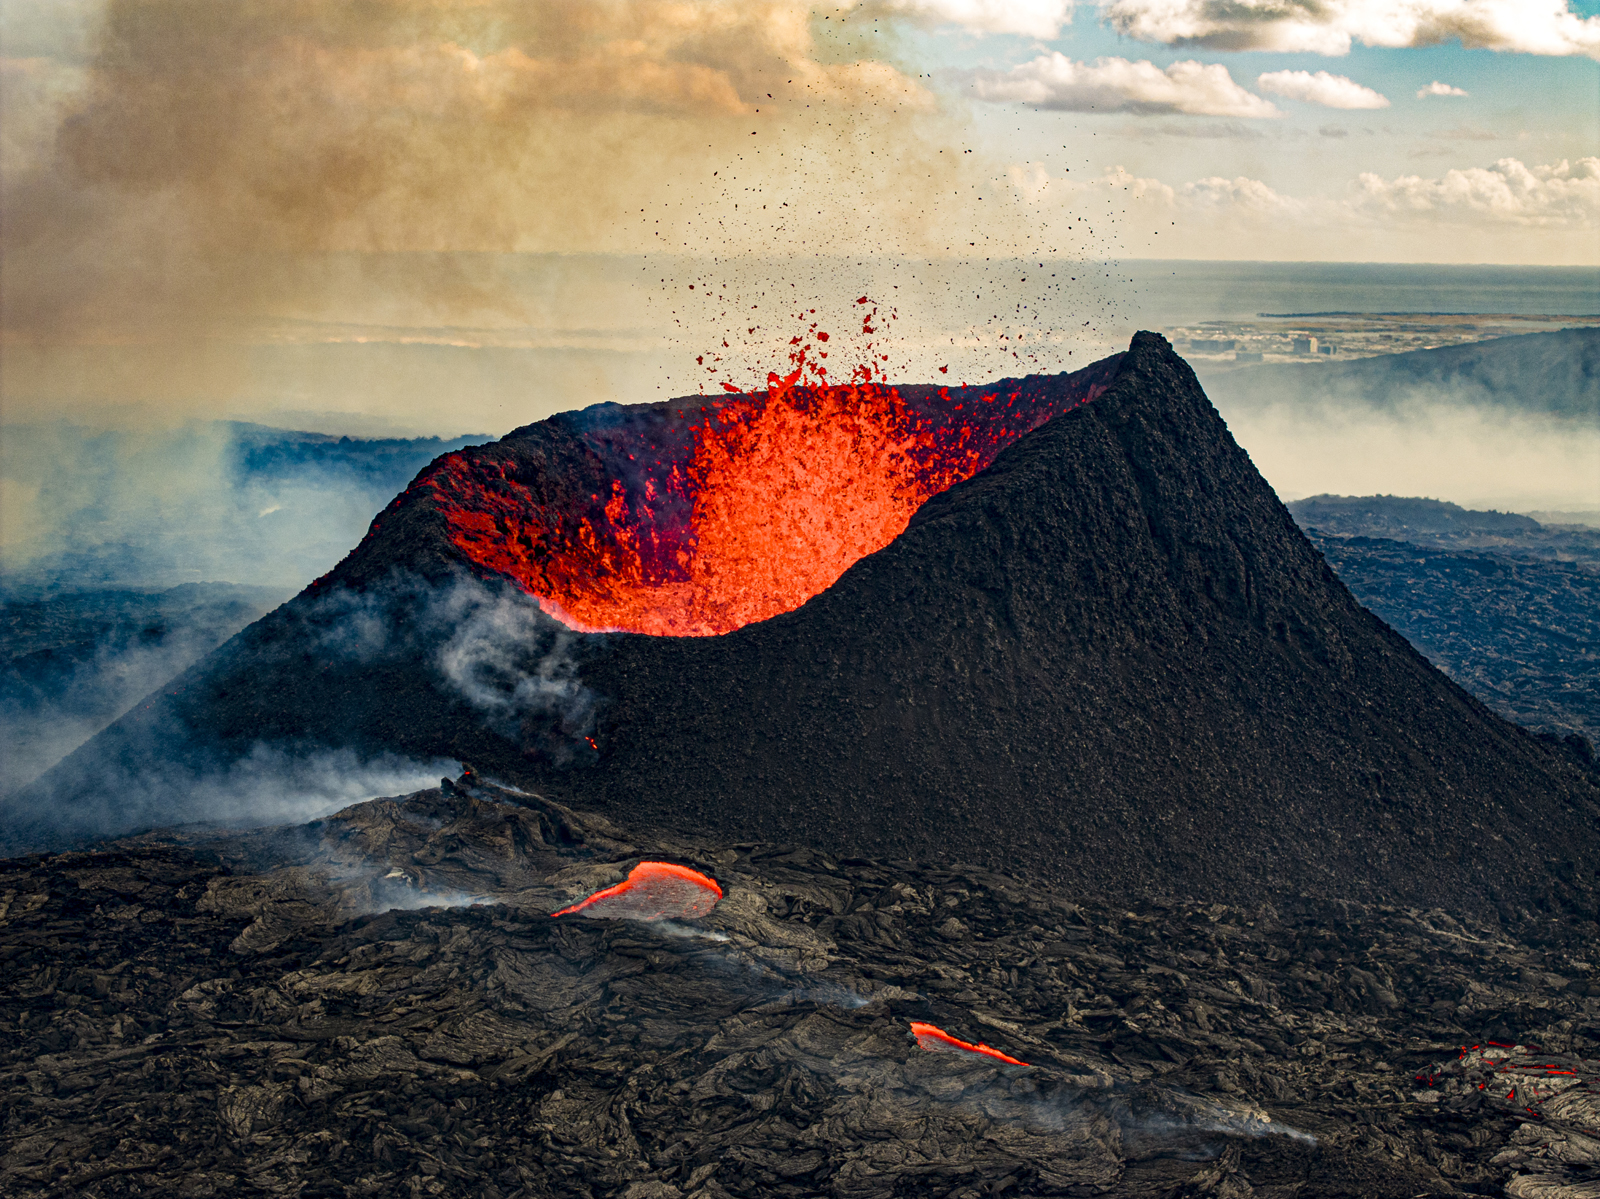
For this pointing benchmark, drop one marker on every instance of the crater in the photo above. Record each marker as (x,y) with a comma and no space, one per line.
(695,517)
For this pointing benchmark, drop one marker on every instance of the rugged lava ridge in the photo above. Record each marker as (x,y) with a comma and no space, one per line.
(1109,658)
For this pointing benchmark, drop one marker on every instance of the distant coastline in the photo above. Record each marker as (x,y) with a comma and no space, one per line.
(1179,291)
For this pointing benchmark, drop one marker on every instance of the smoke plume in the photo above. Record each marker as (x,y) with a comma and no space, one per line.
(186,182)
(212,149)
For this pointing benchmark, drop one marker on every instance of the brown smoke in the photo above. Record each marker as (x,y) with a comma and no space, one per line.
(219,153)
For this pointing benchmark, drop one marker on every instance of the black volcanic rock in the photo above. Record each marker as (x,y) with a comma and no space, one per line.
(1523,635)
(317,1011)
(1110,658)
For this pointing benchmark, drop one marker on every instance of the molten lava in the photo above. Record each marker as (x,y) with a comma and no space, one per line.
(652,891)
(698,517)
(938,1041)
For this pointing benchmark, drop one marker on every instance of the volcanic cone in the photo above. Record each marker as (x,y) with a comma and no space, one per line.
(1107,656)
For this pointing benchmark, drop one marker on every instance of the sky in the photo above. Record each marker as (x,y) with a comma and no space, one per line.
(454,215)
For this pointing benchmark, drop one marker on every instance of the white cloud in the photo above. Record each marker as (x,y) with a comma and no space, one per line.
(1438,89)
(1054,81)
(1558,195)
(1035,186)
(1556,198)
(1508,212)
(1331,91)
(1330,26)
(1238,195)
(1033,18)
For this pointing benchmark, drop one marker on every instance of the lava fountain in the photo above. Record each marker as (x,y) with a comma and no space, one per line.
(699,516)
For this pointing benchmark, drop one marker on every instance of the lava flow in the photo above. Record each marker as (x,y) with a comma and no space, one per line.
(652,891)
(700,516)
(937,1040)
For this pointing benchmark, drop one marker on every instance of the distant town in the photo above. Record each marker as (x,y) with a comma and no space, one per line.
(1327,336)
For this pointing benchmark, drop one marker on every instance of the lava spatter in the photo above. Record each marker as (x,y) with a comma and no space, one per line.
(652,891)
(722,511)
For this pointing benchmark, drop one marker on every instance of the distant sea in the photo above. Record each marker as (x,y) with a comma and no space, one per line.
(1177,292)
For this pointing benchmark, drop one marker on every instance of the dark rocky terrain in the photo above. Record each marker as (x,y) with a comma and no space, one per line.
(1111,659)
(1098,764)
(1522,636)
(1507,606)
(282,1013)
(1445,526)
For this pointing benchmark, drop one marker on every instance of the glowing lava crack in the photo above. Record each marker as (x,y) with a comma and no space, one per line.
(936,1040)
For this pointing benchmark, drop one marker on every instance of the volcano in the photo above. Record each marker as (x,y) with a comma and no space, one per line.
(1057,624)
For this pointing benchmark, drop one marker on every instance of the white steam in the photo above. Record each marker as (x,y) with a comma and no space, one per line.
(512,662)
(1193,1114)
(1473,456)
(269,785)
(490,644)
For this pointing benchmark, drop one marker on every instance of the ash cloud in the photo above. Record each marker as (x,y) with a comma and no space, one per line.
(211,148)
(195,183)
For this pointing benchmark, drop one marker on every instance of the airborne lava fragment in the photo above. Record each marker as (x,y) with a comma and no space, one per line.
(652,891)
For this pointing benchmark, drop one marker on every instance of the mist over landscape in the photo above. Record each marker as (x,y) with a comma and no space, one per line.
(129,555)
(1512,423)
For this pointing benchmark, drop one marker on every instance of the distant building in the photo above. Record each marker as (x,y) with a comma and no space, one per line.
(1305,345)
(1327,347)
(1247,356)
(1213,343)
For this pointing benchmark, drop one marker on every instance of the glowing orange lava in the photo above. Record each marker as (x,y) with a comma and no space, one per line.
(938,1041)
(697,517)
(652,891)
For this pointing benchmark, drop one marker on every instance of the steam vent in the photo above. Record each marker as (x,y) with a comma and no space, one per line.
(1056,625)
